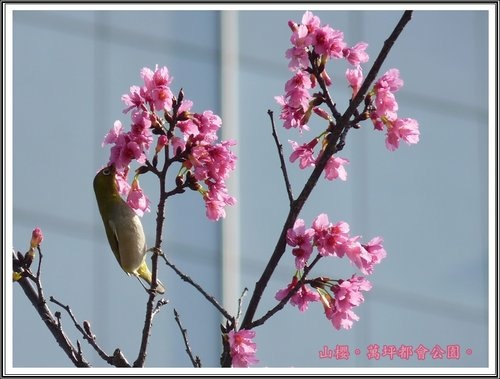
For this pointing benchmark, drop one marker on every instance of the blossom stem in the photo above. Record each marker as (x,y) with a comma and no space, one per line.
(195,361)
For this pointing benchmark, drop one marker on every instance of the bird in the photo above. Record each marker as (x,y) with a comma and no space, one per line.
(123,228)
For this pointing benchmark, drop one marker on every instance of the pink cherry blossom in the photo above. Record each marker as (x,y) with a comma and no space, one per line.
(282,293)
(356,54)
(358,255)
(242,348)
(347,295)
(355,78)
(301,298)
(301,239)
(208,123)
(112,136)
(178,145)
(132,151)
(297,54)
(311,21)
(122,184)
(212,162)
(135,99)
(376,251)
(348,292)
(119,159)
(157,92)
(337,44)
(140,131)
(341,319)
(402,128)
(386,104)
(216,199)
(328,238)
(297,91)
(323,39)
(335,168)
(137,199)
(299,80)
(390,81)
(188,128)
(305,152)
(293,117)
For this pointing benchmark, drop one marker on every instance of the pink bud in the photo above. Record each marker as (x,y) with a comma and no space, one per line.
(36,237)
(293,26)
(322,113)
(162,142)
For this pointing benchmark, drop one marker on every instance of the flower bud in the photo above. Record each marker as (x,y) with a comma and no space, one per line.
(142,170)
(293,26)
(322,113)
(36,237)
(180,97)
(319,282)
(192,182)
(28,258)
(161,143)
(179,181)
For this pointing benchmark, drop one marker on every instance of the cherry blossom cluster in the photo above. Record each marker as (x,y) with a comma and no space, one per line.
(384,112)
(187,137)
(242,348)
(313,45)
(338,297)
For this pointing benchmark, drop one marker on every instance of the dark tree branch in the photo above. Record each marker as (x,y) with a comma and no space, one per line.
(210,298)
(194,360)
(87,334)
(279,146)
(46,315)
(330,149)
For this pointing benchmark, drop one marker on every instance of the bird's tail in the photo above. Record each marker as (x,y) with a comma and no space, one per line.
(144,273)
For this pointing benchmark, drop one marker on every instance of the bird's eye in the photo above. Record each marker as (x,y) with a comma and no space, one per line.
(106,171)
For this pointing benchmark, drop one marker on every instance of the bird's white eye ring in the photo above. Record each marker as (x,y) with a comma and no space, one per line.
(106,171)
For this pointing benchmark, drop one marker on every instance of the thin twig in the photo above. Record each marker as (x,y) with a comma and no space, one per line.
(146,331)
(279,146)
(87,334)
(159,304)
(196,362)
(210,298)
(330,149)
(285,300)
(240,301)
(37,280)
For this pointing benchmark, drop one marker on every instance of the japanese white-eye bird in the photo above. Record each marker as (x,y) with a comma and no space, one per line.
(123,227)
